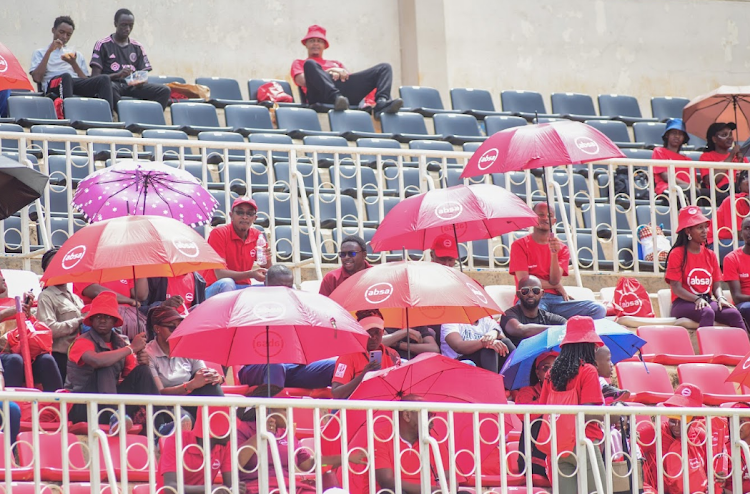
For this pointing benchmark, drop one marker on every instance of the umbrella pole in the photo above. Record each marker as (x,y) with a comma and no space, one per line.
(546,197)
(408,339)
(23,337)
(458,252)
(734,106)
(268,364)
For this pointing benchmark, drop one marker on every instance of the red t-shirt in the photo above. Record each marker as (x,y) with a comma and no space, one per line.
(350,365)
(589,392)
(83,345)
(7,303)
(298,67)
(682,174)
(715,156)
(184,286)
(527,255)
(121,287)
(239,254)
(724,216)
(700,273)
(334,278)
(737,268)
(192,459)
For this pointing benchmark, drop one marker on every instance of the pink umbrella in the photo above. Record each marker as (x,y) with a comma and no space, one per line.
(12,75)
(144,188)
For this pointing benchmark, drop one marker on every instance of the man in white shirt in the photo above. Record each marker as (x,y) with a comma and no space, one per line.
(60,69)
(482,342)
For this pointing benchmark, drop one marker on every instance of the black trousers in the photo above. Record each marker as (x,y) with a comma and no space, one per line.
(489,359)
(321,88)
(207,390)
(43,367)
(92,87)
(62,364)
(153,92)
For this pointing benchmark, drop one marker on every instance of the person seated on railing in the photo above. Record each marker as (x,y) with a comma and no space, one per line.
(483,343)
(43,367)
(694,275)
(311,376)
(351,368)
(237,243)
(100,358)
(741,209)
(129,295)
(721,146)
(737,272)
(14,423)
(59,310)
(744,435)
(674,137)
(353,254)
(545,256)
(219,456)
(526,319)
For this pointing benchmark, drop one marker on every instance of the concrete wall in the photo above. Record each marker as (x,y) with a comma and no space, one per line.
(639,47)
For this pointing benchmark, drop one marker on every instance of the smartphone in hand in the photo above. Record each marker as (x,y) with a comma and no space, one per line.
(376,355)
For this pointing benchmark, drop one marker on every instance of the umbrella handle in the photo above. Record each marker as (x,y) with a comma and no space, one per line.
(24,340)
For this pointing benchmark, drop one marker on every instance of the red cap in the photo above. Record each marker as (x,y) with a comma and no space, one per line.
(543,356)
(444,245)
(218,422)
(581,329)
(104,303)
(315,31)
(686,395)
(690,216)
(244,200)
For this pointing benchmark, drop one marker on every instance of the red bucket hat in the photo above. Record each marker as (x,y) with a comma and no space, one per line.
(218,423)
(315,31)
(104,303)
(690,216)
(444,245)
(581,329)
(686,395)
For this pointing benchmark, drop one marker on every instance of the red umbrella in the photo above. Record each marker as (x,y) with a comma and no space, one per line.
(536,146)
(724,104)
(469,212)
(267,325)
(741,373)
(131,247)
(416,294)
(12,75)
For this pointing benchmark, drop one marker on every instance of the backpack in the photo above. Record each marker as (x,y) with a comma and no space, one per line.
(272,91)
(640,183)
(631,299)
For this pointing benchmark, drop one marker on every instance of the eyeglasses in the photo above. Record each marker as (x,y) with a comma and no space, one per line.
(525,290)
(249,214)
(351,253)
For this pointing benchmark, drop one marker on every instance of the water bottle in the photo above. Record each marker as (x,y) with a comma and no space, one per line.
(260,252)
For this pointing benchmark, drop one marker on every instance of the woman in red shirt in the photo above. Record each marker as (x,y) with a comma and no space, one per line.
(742,209)
(694,275)
(720,146)
(674,137)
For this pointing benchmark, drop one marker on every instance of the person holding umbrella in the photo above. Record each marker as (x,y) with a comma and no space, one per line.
(721,146)
(674,137)
(694,275)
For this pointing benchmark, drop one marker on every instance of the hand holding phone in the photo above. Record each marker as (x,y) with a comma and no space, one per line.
(376,356)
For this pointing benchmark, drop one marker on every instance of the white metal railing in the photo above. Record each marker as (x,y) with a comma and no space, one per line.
(473,445)
(351,191)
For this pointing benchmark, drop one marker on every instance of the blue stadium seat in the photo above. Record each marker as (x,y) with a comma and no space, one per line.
(326,215)
(300,122)
(103,152)
(194,118)
(410,177)
(423,100)
(263,138)
(354,124)
(623,108)
(475,102)
(33,110)
(601,220)
(387,160)
(662,215)
(368,182)
(223,91)
(435,163)
(282,212)
(165,79)
(373,208)
(526,104)
(254,84)
(11,231)
(495,124)
(471,147)
(168,152)
(666,107)
(58,147)
(216,155)
(458,129)
(282,239)
(327,160)
(140,115)
(79,169)
(250,119)
(406,127)
(616,131)
(9,144)
(237,174)
(649,133)
(310,175)
(90,113)
(574,106)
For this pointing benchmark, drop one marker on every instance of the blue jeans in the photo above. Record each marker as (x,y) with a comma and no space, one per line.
(556,305)
(223,285)
(15,420)
(44,369)
(311,376)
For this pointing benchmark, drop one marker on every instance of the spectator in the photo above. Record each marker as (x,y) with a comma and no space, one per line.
(674,137)
(604,368)
(482,342)
(60,311)
(181,292)
(14,423)
(311,376)
(546,257)
(219,456)
(61,70)
(526,319)
(737,272)
(351,368)
(118,56)
(694,275)
(99,358)
(236,243)
(43,367)
(130,294)
(744,435)
(721,146)
(741,209)
(353,254)
(574,372)
(328,81)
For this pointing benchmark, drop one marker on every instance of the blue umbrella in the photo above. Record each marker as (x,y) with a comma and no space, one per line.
(621,342)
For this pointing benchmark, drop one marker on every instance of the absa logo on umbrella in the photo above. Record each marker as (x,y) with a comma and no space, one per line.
(587,145)
(268,311)
(73,256)
(3,64)
(186,247)
(449,211)
(488,159)
(699,281)
(271,347)
(379,293)
(746,363)
(630,303)
(477,292)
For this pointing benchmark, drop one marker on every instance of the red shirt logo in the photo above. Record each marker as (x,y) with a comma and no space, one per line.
(699,281)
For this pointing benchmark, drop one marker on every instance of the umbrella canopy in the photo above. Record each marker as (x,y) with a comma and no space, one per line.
(144,188)
(517,369)
(20,185)
(267,325)
(479,211)
(131,247)
(413,294)
(12,75)
(537,146)
(741,373)
(724,104)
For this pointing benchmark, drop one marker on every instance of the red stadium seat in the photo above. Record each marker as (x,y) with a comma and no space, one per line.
(725,345)
(85,488)
(648,383)
(25,472)
(28,488)
(136,450)
(711,379)
(232,389)
(50,456)
(669,345)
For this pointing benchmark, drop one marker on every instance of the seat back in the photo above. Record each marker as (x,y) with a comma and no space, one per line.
(254,84)
(638,377)
(661,214)
(221,88)
(136,453)
(710,378)
(165,79)
(439,146)
(271,139)
(618,105)
(410,179)
(663,107)
(58,130)
(421,97)
(248,116)
(403,123)
(347,177)
(51,451)
(9,144)
(522,101)
(616,131)
(335,141)
(373,208)
(137,111)
(572,104)
(380,144)
(168,152)
(297,119)
(464,98)
(201,114)
(636,154)
(714,340)
(342,121)
(663,340)
(457,125)
(31,107)
(222,137)
(116,133)
(93,109)
(649,132)
(496,123)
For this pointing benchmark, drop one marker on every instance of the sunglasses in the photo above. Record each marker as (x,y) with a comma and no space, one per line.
(351,253)
(525,290)
(249,214)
